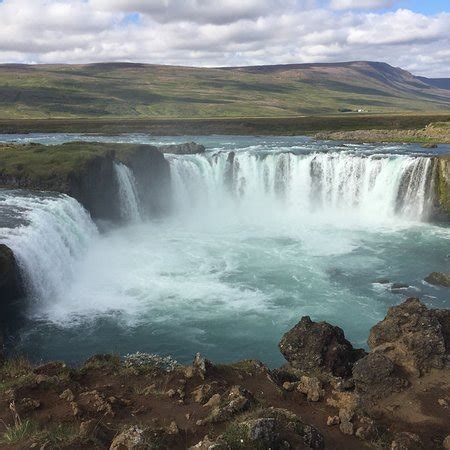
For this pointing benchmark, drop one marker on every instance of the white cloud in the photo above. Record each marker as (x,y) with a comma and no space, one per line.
(360,4)
(198,11)
(234,33)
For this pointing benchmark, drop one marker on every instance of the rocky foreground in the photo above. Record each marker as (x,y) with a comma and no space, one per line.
(328,395)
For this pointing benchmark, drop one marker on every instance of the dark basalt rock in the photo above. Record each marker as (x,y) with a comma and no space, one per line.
(412,337)
(312,346)
(11,292)
(188,148)
(95,187)
(10,280)
(230,171)
(438,279)
(374,376)
(152,174)
(429,145)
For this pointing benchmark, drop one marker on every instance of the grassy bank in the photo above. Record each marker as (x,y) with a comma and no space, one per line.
(433,133)
(40,163)
(307,125)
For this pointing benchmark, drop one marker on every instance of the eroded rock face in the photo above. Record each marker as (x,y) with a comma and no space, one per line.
(95,187)
(152,174)
(202,366)
(442,198)
(411,336)
(235,401)
(10,282)
(188,148)
(374,376)
(312,346)
(11,290)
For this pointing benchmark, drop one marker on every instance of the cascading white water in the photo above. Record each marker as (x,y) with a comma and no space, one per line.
(263,231)
(128,196)
(53,233)
(380,186)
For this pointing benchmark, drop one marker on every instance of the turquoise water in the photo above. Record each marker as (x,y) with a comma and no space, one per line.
(234,267)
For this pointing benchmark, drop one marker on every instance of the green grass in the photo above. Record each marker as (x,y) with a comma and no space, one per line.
(59,435)
(53,163)
(243,125)
(147,91)
(20,432)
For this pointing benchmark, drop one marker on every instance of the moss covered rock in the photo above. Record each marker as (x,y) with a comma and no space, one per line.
(438,279)
(443,187)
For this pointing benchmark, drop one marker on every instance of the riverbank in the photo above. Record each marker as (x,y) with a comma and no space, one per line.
(328,395)
(278,126)
(433,133)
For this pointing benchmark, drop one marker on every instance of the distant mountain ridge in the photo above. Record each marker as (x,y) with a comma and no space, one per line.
(142,90)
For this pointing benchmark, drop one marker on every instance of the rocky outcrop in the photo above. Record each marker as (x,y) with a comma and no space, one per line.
(86,172)
(412,337)
(442,184)
(95,186)
(152,174)
(312,346)
(375,376)
(438,279)
(11,288)
(188,148)
(10,282)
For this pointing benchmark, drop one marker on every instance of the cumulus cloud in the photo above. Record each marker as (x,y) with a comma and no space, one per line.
(223,32)
(360,4)
(200,11)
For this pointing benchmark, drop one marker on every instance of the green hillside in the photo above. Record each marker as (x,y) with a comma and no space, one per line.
(145,91)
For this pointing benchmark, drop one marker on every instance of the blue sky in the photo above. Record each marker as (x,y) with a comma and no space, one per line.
(425,6)
(413,34)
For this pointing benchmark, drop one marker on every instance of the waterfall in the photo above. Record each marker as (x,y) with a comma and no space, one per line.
(372,186)
(48,234)
(128,196)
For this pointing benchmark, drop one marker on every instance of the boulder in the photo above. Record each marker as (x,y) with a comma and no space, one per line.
(202,366)
(411,336)
(261,430)
(429,145)
(137,438)
(51,369)
(234,402)
(446,443)
(133,438)
(443,316)
(207,444)
(374,376)
(311,387)
(438,279)
(319,347)
(188,148)
(298,434)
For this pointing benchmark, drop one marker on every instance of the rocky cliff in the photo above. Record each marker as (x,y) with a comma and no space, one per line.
(152,174)
(443,187)
(85,171)
(11,293)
